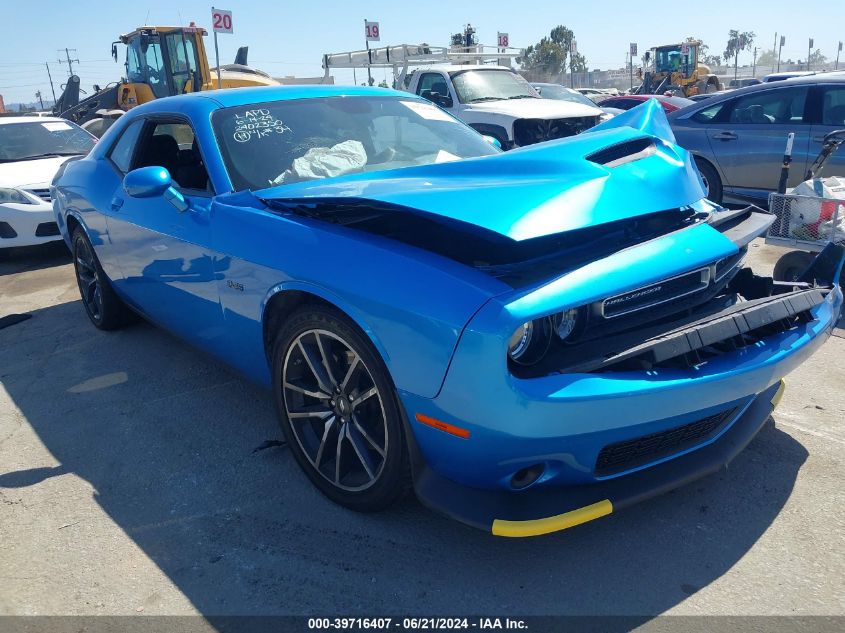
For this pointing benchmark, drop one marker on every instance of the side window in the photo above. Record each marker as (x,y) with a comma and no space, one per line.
(709,115)
(173,145)
(183,67)
(784,106)
(121,152)
(433,82)
(833,106)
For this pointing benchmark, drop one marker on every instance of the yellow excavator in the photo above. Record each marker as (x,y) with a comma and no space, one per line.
(161,61)
(677,69)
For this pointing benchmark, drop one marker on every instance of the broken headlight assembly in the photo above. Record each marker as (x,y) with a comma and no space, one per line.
(531,340)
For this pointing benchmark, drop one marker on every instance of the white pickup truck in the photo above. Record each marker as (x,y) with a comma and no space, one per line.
(500,103)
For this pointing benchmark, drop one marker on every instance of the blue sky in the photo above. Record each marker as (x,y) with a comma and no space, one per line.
(288,38)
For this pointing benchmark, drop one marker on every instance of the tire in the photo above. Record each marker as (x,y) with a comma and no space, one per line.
(790,266)
(712,182)
(103,307)
(350,410)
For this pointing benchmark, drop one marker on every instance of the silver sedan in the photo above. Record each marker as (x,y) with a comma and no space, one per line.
(738,139)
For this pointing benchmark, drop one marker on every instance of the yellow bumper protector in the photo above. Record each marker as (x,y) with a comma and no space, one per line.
(535,527)
(778,394)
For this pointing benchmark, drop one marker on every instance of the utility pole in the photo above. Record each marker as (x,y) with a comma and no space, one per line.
(40,100)
(780,48)
(773,50)
(68,59)
(809,52)
(52,89)
(754,64)
(838,50)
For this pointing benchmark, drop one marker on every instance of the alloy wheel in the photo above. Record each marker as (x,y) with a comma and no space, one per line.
(335,410)
(88,279)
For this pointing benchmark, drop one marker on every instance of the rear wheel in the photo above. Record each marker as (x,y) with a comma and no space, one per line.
(338,410)
(102,305)
(792,265)
(712,182)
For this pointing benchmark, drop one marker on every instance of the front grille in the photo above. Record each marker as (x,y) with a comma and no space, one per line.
(46,229)
(530,131)
(44,194)
(622,456)
(6,231)
(656,293)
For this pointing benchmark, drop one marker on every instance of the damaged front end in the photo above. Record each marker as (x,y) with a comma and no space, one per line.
(684,320)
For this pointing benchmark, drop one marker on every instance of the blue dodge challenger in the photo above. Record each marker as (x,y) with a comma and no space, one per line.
(529,340)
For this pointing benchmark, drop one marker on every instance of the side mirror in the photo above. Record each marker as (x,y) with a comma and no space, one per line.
(150,182)
(493,141)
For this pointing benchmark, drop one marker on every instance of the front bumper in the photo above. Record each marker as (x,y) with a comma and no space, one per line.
(543,510)
(563,422)
(27,225)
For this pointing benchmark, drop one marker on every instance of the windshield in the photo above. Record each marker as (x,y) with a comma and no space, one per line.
(22,141)
(283,142)
(559,93)
(475,86)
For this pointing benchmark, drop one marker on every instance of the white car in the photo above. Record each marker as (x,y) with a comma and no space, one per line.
(498,102)
(32,148)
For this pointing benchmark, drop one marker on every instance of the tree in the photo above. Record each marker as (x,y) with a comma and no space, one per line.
(738,42)
(767,58)
(550,54)
(817,59)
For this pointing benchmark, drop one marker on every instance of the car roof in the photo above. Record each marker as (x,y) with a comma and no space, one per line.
(233,97)
(6,120)
(816,78)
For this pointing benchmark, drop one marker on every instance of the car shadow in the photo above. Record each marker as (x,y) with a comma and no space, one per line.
(171,442)
(28,258)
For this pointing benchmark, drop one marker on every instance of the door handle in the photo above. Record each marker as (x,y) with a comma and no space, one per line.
(818,139)
(116,203)
(725,136)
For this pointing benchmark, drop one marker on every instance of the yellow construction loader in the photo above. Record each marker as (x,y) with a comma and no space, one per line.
(161,61)
(677,69)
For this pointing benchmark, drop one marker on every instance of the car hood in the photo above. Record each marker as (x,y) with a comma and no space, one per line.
(30,172)
(622,168)
(536,108)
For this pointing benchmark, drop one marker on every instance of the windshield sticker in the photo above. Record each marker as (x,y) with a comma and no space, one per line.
(427,111)
(255,124)
(56,126)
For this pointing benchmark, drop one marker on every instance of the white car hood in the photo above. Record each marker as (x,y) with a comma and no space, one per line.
(30,172)
(536,108)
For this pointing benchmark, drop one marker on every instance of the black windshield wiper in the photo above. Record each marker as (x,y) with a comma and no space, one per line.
(479,99)
(524,97)
(47,155)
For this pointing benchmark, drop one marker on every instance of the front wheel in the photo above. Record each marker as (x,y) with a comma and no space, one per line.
(103,307)
(338,410)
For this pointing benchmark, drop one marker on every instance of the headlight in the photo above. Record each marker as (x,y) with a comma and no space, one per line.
(530,341)
(14,195)
(566,323)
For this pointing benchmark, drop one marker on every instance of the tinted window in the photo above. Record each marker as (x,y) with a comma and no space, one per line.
(433,82)
(833,106)
(121,153)
(770,106)
(172,145)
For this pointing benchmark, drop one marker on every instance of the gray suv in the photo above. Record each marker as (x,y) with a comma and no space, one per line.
(738,139)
